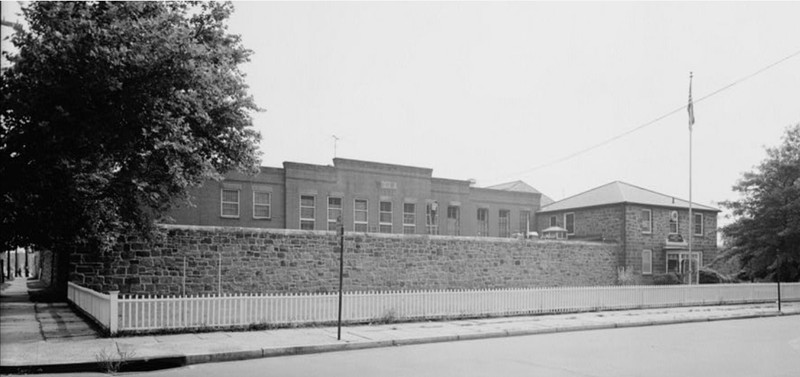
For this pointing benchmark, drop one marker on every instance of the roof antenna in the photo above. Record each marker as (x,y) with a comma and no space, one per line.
(335,140)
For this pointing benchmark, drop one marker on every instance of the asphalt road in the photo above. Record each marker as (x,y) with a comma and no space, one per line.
(752,347)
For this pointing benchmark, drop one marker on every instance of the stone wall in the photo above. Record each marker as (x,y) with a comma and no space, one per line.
(263,261)
(46,271)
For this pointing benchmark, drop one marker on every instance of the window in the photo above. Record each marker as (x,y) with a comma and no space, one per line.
(647,262)
(524,222)
(385,217)
(569,223)
(430,210)
(307,212)
(409,218)
(672,263)
(360,215)
(453,220)
(261,205)
(483,222)
(698,224)
(334,212)
(647,221)
(553,221)
(673,222)
(503,222)
(229,203)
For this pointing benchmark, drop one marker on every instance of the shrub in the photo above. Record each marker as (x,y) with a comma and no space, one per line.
(710,276)
(670,278)
(625,276)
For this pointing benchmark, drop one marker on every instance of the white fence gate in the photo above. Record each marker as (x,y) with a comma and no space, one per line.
(151,313)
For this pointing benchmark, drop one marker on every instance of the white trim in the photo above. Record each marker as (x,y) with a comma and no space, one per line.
(683,254)
(650,221)
(391,216)
(647,255)
(573,223)
(222,202)
(268,205)
(355,209)
(485,222)
(412,225)
(677,223)
(300,210)
(328,209)
(503,232)
(694,223)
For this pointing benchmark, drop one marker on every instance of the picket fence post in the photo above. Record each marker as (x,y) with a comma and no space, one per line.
(113,312)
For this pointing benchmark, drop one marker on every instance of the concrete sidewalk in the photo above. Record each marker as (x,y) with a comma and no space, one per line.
(25,321)
(159,351)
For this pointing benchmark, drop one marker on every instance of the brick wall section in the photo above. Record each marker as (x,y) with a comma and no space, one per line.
(603,221)
(636,241)
(623,223)
(262,260)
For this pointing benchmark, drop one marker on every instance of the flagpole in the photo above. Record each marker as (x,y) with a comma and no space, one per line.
(691,217)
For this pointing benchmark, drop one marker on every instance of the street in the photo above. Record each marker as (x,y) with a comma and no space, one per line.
(749,347)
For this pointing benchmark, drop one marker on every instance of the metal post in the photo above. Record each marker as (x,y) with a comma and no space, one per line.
(691,219)
(779,282)
(341,278)
(27,249)
(184,275)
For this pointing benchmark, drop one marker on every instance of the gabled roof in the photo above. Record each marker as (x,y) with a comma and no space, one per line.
(621,192)
(517,186)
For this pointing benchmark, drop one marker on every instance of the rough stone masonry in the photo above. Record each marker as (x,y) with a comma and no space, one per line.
(201,260)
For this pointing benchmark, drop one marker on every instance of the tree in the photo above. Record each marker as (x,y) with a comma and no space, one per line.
(765,235)
(111,112)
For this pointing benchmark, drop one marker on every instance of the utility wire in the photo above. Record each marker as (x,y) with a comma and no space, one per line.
(656,120)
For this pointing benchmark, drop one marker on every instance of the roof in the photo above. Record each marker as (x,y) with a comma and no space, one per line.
(621,192)
(517,186)
(554,229)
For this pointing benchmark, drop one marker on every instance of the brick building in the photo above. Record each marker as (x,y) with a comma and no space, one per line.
(368,196)
(652,228)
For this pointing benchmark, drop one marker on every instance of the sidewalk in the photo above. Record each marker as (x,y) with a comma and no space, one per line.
(159,351)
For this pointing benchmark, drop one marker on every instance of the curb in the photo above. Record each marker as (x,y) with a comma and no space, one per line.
(165,362)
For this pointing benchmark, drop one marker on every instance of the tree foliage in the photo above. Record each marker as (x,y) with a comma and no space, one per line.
(765,235)
(111,111)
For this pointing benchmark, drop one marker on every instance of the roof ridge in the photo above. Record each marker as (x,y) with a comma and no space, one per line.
(580,193)
(659,193)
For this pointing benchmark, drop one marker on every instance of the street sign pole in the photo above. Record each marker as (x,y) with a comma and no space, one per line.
(778,273)
(341,278)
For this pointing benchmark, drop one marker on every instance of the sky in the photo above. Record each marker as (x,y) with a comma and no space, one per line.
(497,92)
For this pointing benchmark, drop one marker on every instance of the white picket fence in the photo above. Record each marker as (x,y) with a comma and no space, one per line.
(151,313)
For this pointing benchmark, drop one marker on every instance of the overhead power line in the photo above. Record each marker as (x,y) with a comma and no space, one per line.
(654,121)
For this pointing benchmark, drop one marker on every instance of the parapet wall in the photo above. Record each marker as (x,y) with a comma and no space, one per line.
(247,260)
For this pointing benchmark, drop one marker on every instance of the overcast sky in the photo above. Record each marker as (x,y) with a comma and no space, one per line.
(491,91)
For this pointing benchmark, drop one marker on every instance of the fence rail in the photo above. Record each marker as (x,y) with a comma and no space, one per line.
(131,313)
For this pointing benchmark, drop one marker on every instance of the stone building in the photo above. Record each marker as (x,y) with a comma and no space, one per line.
(652,228)
(369,197)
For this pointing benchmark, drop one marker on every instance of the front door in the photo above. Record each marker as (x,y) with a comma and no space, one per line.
(679,263)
